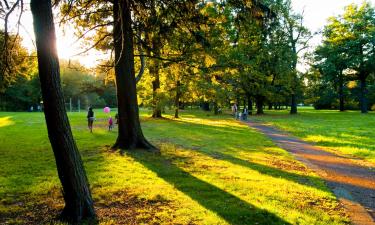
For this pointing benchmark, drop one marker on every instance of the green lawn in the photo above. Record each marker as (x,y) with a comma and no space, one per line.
(212,170)
(348,132)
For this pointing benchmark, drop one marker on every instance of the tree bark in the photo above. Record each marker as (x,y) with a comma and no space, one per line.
(177,99)
(154,70)
(130,135)
(363,97)
(259,104)
(250,103)
(341,92)
(76,192)
(293,105)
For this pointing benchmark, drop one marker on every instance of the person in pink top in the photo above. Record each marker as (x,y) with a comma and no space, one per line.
(110,123)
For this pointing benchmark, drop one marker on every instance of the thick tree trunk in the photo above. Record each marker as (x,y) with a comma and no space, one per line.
(130,134)
(341,93)
(259,103)
(76,192)
(177,99)
(270,106)
(363,97)
(293,105)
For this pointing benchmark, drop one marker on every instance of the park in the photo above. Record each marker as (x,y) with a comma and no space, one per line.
(187,112)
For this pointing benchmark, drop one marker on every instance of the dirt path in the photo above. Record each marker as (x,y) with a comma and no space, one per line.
(350,180)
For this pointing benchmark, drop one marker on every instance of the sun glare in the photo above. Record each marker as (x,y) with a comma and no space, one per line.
(64,48)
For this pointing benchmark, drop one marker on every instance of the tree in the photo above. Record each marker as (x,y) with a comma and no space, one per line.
(298,37)
(331,60)
(76,192)
(19,86)
(352,36)
(112,25)
(130,133)
(15,62)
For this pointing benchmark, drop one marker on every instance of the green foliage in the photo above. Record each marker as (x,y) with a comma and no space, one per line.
(21,95)
(225,51)
(80,84)
(15,61)
(19,85)
(347,52)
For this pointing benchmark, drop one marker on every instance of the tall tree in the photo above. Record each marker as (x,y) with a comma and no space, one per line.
(76,192)
(352,35)
(130,134)
(331,60)
(298,36)
(114,28)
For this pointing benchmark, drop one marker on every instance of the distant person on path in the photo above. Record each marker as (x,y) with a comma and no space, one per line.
(245,112)
(234,110)
(90,118)
(110,123)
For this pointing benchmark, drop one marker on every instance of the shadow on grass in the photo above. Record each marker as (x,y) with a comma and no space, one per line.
(227,206)
(270,171)
(214,150)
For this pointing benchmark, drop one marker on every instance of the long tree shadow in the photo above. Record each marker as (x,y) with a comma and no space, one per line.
(311,181)
(229,207)
(269,171)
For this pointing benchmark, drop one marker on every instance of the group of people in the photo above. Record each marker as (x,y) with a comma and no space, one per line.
(91,119)
(239,115)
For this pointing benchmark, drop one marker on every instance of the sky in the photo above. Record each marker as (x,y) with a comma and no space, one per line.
(316,13)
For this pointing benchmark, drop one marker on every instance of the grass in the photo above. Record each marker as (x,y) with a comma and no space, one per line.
(212,170)
(347,132)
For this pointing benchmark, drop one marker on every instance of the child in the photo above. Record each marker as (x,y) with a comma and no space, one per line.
(110,123)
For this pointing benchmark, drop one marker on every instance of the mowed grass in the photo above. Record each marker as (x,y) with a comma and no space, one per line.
(347,132)
(211,170)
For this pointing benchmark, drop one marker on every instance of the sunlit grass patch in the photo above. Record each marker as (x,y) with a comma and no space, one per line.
(344,132)
(6,121)
(211,170)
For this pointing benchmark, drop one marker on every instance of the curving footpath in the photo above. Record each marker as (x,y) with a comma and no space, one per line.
(350,179)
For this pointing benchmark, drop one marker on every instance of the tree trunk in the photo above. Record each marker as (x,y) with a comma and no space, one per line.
(155,43)
(270,106)
(216,108)
(363,98)
(177,99)
(259,104)
(76,192)
(250,104)
(206,106)
(341,93)
(293,105)
(154,70)
(130,135)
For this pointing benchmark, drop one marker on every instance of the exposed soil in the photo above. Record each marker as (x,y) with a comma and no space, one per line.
(119,208)
(350,179)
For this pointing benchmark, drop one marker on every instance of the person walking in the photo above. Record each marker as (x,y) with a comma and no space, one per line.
(90,118)
(245,112)
(110,123)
